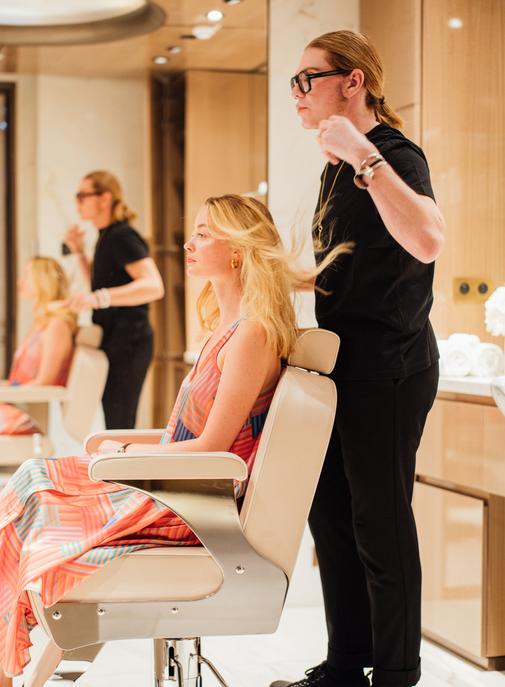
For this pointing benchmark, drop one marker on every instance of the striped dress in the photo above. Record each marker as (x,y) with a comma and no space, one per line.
(57,526)
(25,367)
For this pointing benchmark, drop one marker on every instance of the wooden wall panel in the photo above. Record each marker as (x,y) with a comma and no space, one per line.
(398,40)
(226,149)
(464,444)
(451,530)
(463,135)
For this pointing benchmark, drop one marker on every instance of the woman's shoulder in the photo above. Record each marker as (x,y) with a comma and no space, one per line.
(60,324)
(250,337)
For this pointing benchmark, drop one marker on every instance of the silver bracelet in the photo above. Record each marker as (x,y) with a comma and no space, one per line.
(366,171)
(102,298)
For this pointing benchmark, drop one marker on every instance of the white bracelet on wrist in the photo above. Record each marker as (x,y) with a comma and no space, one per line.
(102,297)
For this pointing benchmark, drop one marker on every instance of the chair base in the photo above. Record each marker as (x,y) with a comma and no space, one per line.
(178,663)
(52,668)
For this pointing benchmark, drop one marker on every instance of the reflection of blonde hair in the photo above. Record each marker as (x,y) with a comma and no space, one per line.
(106,182)
(50,283)
(352,50)
(268,272)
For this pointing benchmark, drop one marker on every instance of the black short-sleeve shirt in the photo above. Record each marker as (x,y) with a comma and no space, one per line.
(118,245)
(380,296)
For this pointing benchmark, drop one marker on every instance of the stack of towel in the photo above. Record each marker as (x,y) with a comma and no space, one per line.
(465,354)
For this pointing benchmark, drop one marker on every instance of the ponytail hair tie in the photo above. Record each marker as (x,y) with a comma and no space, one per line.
(381,100)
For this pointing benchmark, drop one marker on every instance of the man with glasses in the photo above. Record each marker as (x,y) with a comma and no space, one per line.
(375,192)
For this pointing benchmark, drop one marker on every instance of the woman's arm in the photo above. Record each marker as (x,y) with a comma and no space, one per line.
(146,286)
(57,345)
(248,367)
(413,220)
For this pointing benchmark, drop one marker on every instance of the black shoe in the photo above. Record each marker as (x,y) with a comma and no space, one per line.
(319,676)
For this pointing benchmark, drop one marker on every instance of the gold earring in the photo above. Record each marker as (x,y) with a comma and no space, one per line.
(234,263)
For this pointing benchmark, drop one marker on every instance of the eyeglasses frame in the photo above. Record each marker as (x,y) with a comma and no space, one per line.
(315,75)
(82,195)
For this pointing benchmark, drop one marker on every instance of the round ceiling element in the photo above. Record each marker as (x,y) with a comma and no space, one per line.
(59,22)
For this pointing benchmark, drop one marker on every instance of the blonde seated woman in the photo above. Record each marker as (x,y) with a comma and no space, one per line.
(44,356)
(245,308)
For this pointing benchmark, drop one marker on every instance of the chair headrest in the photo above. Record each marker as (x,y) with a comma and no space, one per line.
(316,350)
(89,335)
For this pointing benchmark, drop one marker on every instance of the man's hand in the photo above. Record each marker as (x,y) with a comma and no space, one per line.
(82,301)
(340,140)
(74,238)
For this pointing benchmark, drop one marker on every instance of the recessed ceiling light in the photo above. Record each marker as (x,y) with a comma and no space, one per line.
(203,31)
(174,49)
(232,2)
(160,59)
(215,15)
(455,23)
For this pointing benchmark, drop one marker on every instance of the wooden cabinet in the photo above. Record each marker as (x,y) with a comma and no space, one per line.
(459,502)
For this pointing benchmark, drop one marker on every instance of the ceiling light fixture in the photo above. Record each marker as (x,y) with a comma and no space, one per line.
(203,31)
(174,49)
(455,23)
(59,22)
(215,15)
(161,59)
(232,2)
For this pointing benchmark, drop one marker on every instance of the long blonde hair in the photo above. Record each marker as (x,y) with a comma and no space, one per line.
(50,284)
(106,182)
(268,272)
(352,50)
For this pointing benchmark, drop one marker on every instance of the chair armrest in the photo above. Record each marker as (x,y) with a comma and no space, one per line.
(32,394)
(167,466)
(134,436)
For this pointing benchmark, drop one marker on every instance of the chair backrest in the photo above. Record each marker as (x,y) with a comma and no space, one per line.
(86,382)
(292,450)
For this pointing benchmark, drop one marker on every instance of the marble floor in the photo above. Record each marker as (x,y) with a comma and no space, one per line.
(256,661)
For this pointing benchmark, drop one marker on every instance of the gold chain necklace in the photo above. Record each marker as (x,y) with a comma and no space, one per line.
(323,207)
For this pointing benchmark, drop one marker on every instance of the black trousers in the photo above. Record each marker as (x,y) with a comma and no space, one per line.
(364,529)
(129,354)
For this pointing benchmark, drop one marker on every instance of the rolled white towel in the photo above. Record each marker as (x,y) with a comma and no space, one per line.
(458,359)
(487,360)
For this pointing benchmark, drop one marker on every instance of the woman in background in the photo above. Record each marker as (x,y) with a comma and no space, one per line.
(124,279)
(44,356)
(246,310)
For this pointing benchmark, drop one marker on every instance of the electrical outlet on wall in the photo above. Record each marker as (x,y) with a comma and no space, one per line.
(471,289)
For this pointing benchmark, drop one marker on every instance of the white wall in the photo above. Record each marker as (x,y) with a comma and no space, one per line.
(294,161)
(294,168)
(82,125)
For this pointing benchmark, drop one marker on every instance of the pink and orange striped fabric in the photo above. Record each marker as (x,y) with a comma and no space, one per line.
(25,366)
(57,526)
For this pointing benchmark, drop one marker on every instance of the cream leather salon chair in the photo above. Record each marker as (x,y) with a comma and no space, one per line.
(77,402)
(236,583)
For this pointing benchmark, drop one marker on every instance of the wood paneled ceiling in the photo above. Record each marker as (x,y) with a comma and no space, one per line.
(239,45)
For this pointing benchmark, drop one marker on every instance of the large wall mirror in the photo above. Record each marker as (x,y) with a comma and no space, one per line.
(177,114)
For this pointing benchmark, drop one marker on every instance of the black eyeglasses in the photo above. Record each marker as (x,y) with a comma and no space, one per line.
(81,195)
(303,79)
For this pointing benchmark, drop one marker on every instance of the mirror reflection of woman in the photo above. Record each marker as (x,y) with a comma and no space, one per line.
(124,279)
(44,356)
